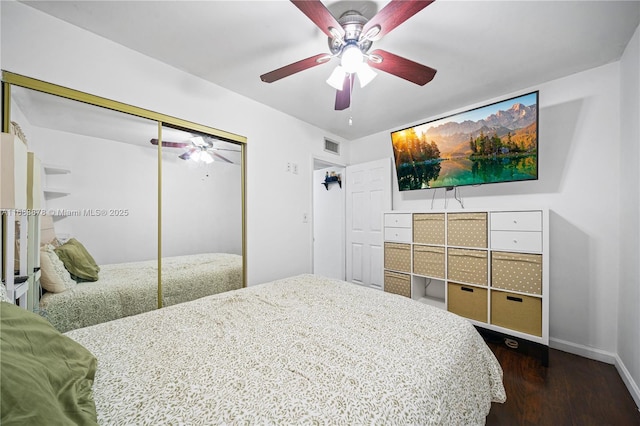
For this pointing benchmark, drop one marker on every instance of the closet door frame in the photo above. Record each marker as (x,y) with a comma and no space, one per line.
(11,79)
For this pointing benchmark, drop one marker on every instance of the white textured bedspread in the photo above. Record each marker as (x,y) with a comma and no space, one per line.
(303,350)
(125,289)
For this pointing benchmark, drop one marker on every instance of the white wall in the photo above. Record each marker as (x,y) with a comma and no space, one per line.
(629,297)
(202,204)
(102,178)
(279,243)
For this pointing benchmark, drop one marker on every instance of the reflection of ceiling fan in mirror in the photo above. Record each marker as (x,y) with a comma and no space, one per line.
(198,148)
(350,39)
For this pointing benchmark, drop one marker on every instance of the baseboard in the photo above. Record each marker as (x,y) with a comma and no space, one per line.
(628,380)
(584,351)
(600,355)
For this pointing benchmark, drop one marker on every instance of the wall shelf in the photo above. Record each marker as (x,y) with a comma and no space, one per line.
(327,183)
(55,192)
(51,169)
(438,303)
(57,183)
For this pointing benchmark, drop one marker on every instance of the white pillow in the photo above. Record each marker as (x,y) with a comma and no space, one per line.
(54,277)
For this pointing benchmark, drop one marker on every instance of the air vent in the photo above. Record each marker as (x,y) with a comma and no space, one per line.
(331,146)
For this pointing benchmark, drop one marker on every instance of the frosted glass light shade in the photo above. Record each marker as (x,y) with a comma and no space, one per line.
(365,74)
(351,58)
(336,79)
(206,157)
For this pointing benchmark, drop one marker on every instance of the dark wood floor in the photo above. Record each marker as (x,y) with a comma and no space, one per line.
(571,391)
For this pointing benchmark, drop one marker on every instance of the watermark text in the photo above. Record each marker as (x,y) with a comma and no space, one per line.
(66,212)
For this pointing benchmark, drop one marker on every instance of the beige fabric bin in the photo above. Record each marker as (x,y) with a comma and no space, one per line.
(397,256)
(428,261)
(517,312)
(397,283)
(467,229)
(517,272)
(428,228)
(467,301)
(467,266)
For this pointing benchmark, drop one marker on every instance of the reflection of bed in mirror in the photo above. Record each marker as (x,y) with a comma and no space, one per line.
(126,289)
(302,350)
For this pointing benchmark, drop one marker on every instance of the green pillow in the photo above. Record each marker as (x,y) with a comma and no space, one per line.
(45,377)
(78,261)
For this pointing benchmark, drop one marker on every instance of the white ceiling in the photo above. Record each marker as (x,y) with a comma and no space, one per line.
(481,49)
(58,113)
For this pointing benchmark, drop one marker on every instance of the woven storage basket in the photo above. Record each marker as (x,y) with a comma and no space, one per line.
(467,229)
(428,261)
(517,271)
(517,312)
(467,266)
(428,228)
(397,283)
(467,301)
(397,256)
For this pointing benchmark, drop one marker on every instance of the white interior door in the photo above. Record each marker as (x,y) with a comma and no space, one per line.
(368,191)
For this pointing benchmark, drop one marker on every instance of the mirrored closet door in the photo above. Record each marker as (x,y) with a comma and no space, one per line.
(147,197)
(201,215)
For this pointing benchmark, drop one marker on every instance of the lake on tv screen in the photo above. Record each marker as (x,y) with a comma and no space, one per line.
(465,171)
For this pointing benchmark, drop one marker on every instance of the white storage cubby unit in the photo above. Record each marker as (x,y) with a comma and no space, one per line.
(490,266)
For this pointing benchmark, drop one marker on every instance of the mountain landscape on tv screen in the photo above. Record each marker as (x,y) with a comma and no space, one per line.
(498,147)
(519,121)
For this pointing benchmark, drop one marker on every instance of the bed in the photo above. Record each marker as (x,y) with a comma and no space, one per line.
(302,350)
(126,289)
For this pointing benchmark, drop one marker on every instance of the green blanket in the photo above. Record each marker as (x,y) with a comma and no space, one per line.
(46,377)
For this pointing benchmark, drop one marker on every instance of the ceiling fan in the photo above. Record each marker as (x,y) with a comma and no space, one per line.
(197,148)
(350,39)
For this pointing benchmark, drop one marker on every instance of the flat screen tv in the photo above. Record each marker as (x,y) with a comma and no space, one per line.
(493,143)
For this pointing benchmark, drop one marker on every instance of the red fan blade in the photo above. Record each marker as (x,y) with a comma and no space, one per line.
(320,15)
(187,153)
(171,144)
(295,67)
(394,14)
(343,97)
(402,67)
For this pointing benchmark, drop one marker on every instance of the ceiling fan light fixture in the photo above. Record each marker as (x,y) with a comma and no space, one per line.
(336,78)
(352,58)
(205,157)
(198,140)
(365,74)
